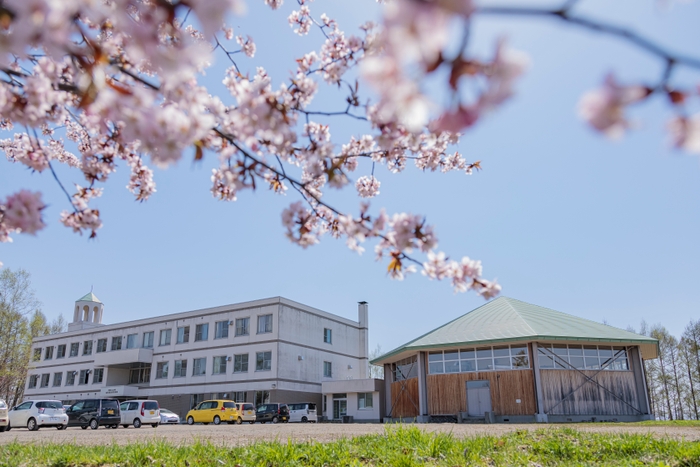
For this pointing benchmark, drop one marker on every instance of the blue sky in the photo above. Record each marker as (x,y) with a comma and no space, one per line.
(562,217)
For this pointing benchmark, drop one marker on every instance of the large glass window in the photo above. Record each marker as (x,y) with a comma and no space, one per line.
(406,368)
(33,379)
(240,363)
(61,351)
(101,345)
(131,341)
(117,343)
(48,355)
(45,380)
(221,329)
(37,355)
(98,375)
(262,397)
(199,366)
(327,336)
(140,373)
(148,340)
(582,357)
(165,336)
(242,326)
(502,357)
(57,379)
(87,348)
(162,370)
(183,334)
(264,324)
(263,361)
(74,349)
(219,367)
(201,332)
(180,369)
(84,375)
(70,378)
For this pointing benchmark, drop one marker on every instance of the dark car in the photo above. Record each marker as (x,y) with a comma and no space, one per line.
(94,413)
(272,413)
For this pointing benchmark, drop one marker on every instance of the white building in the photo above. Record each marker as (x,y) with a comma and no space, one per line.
(271,350)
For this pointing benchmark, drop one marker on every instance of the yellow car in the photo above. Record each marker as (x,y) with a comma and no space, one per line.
(215,412)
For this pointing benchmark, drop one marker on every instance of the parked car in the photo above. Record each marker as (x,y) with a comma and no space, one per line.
(303,412)
(272,413)
(214,412)
(139,412)
(37,414)
(246,412)
(94,413)
(4,420)
(168,417)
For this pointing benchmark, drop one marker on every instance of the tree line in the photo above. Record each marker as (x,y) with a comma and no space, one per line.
(673,379)
(21,320)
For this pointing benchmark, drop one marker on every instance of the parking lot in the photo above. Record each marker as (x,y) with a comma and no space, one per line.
(235,435)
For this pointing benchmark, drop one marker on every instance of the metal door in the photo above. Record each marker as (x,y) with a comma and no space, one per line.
(478,398)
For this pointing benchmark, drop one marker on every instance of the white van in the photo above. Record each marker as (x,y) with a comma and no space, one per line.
(140,412)
(303,412)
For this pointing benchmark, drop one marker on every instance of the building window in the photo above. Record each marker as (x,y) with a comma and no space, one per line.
(61,351)
(148,340)
(219,367)
(84,375)
(264,324)
(117,343)
(183,334)
(199,366)
(99,374)
(221,329)
(240,396)
(364,400)
(242,326)
(87,348)
(201,332)
(37,355)
(101,345)
(57,379)
(240,363)
(140,373)
(131,341)
(45,380)
(74,349)
(586,357)
(504,357)
(327,369)
(33,379)
(325,403)
(327,336)
(180,368)
(162,370)
(48,355)
(165,336)
(263,361)
(70,378)
(262,397)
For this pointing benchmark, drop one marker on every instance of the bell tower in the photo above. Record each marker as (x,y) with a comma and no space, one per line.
(87,313)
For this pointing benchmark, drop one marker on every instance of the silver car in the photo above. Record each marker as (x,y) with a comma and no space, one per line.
(37,414)
(168,417)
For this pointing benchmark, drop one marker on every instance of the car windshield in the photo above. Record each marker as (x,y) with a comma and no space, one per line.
(165,411)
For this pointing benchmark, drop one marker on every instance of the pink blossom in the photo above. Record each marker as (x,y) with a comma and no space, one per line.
(22,212)
(247,45)
(301,20)
(685,133)
(604,107)
(367,186)
(454,121)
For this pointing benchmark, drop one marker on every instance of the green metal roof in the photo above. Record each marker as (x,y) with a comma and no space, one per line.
(506,320)
(89,298)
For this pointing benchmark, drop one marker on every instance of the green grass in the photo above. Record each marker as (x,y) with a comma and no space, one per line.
(399,446)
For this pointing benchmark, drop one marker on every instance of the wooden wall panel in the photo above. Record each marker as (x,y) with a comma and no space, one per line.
(447,394)
(404,398)
(589,399)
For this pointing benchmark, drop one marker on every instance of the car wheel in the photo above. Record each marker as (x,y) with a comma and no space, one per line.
(304,419)
(61,427)
(262,423)
(275,419)
(239,420)
(31,425)
(217,420)
(93,424)
(190,421)
(137,423)
(84,427)
(154,425)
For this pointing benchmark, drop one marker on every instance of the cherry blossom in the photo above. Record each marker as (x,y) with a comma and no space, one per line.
(22,212)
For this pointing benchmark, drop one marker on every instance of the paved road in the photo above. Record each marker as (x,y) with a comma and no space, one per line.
(245,434)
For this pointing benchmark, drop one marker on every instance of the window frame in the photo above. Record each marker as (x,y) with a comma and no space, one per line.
(222,363)
(180,372)
(61,351)
(201,364)
(87,347)
(244,328)
(327,336)
(116,343)
(148,338)
(101,345)
(327,369)
(165,337)
(238,361)
(201,332)
(162,369)
(57,378)
(263,321)
(184,336)
(364,397)
(221,329)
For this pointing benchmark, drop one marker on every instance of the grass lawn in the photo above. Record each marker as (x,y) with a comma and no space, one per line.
(398,446)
